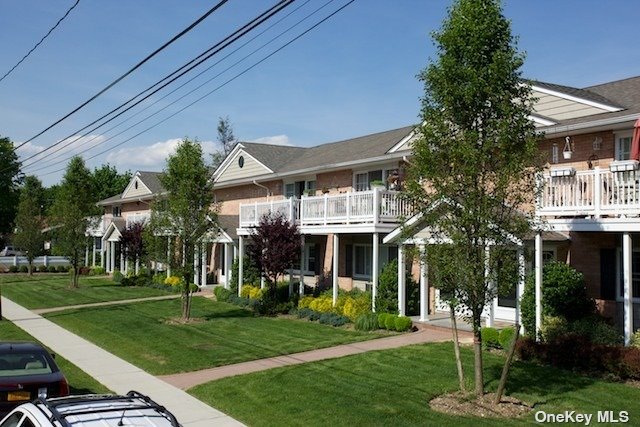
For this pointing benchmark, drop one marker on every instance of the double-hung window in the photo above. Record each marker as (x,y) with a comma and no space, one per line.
(362,260)
(623,145)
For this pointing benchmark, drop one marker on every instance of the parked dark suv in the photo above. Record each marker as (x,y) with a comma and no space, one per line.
(28,372)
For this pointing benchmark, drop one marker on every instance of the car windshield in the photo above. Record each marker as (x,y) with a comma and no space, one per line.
(16,364)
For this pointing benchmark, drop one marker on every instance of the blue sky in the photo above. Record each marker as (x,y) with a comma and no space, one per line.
(353,75)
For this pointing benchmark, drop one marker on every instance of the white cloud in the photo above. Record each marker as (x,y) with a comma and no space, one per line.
(274,140)
(65,148)
(151,157)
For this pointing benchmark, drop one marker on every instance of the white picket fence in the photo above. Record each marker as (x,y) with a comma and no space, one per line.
(7,261)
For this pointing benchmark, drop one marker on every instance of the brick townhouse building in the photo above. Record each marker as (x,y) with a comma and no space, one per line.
(345,198)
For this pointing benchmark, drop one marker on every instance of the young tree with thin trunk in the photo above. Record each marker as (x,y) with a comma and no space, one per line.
(474,165)
(226,138)
(132,242)
(29,220)
(186,214)
(73,213)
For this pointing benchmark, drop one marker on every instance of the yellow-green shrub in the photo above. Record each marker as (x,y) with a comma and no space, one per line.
(322,304)
(173,281)
(249,291)
(354,307)
(305,302)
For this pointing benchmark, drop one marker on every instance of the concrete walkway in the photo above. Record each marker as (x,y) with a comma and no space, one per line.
(425,334)
(113,372)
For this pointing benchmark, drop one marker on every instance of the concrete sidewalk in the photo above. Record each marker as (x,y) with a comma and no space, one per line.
(425,334)
(113,372)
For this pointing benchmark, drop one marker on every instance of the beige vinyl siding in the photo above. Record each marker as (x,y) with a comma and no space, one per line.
(407,145)
(250,168)
(132,191)
(557,108)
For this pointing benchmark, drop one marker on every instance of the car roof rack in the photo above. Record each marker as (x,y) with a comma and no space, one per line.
(60,417)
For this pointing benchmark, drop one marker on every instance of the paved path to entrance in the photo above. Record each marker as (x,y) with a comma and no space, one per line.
(425,334)
(115,373)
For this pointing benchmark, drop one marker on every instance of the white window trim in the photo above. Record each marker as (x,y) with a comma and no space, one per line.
(354,274)
(617,137)
(619,284)
(386,168)
(307,271)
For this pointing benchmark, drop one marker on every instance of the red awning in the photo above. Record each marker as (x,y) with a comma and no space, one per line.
(635,142)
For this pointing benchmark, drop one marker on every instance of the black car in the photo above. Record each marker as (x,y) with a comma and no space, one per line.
(27,372)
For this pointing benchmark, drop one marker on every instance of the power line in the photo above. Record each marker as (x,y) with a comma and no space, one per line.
(179,87)
(78,137)
(41,40)
(135,67)
(190,65)
(213,90)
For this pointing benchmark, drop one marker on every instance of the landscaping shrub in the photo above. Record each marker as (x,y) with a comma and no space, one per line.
(52,269)
(250,273)
(24,269)
(117,277)
(631,363)
(635,339)
(564,293)
(390,322)
(367,322)
(597,330)
(356,304)
(172,281)
(387,296)
(305,302)
(382,319)
(322,304)
(333,319)
(314,315)
(506,336)
(63,268)
(402,323)
(490,337)
(304,313)
(96,271)
(222,294)
(13,269)
(553,327)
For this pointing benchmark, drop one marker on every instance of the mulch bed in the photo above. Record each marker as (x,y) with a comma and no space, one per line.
(465,404)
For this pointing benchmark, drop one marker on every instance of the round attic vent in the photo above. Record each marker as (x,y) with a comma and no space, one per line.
(241,161)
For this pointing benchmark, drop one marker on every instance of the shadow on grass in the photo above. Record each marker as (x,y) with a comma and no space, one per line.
(226,314)
(546,382)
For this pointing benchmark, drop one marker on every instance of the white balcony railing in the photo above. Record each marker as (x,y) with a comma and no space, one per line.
(374,206)
(590,193)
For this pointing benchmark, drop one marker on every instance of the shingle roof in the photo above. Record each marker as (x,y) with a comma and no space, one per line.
(578,93)
(150,179)
(624,93)
(229,223)
(280,158)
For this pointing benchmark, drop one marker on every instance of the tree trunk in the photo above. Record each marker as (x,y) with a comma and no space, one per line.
(30,268)
(186,297)
(507,366)
(477,352)
(456,347)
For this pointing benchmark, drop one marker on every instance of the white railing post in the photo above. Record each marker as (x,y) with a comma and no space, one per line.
(348,206)
(376,204)
(302,211)
(291,213)
(597,191)
(326,204)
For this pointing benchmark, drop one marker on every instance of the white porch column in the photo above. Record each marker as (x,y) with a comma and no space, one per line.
(401,281)
(375,268)
(538,279)
(491,313)
(137,266)
(424,286)
(196,271)
(240,263)
(113,256)
(301,281)
(168,256)
(203,262)
(627,276)
(228,255)
(336,242)
(123,265)
(105,257)
(93,257)
(520,287)
(86,256)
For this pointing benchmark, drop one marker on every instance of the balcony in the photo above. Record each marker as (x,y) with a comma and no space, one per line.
(592,193)
(361,207)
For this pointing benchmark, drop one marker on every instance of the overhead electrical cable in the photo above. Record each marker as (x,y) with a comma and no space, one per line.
(213,90)
(94,137)
(131,70)
(41,40)
(176,74)
(185,83)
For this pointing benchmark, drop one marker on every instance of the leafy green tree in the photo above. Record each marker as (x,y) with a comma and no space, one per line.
(226,138)
(10,179)
(73,212)
(29,220)
(477,154)
(107,181)
(186,213)
(132,241)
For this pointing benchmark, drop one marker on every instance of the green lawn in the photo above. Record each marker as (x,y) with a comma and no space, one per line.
(145,335)
(79,381)
(393,387)
(52,290)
